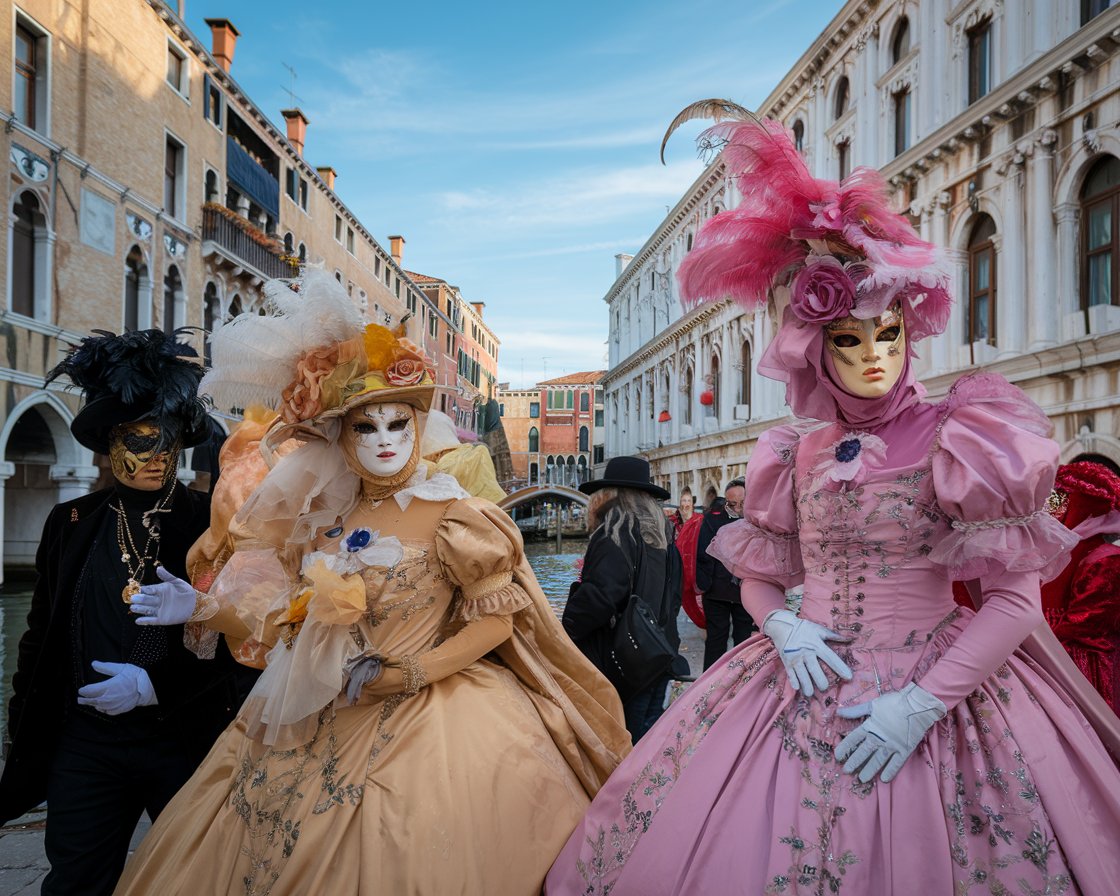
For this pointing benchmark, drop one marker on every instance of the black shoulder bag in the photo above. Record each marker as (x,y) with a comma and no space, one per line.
(639,650)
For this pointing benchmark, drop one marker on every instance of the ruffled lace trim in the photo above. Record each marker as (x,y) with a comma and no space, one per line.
(441,487)
(505,600)
(746,550)
(200,640)
(1036,542)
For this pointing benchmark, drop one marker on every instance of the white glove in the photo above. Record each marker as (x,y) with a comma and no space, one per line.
(129,687)
(899,720)
(171,602)
(801,645)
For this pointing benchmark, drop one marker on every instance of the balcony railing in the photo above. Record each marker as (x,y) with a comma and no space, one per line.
(241,240)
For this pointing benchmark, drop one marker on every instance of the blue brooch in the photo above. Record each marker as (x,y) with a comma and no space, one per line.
(358,539)
(848,450)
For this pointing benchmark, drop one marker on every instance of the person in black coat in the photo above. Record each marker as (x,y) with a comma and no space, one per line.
(109,718)
(631,551)
(723,608)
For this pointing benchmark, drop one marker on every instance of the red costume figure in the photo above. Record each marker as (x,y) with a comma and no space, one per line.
(1082,604)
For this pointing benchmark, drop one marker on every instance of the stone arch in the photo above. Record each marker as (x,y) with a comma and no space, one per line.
(41,466)
(1085,154)
(137,300)
(1089,442)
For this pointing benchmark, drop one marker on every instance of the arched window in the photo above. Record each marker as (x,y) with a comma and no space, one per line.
(29,257)
(211,316)
(234,307)
(172,299)
(534,440)
(135,279)
(289,245)
(1100,217)
(843,95)
(745,374)
(584,402)
(211,185)
(583,439)
(982,282)
(799,135)
(302,254)
(900,44)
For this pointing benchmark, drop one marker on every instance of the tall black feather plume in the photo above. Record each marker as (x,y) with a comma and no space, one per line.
(148,369)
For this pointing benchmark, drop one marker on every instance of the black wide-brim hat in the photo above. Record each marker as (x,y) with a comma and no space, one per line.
(136,375)
(93,424)
(626,472)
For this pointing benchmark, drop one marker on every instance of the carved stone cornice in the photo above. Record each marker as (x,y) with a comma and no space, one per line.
(669,338)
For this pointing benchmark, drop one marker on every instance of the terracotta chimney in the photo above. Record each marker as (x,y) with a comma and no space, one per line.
(478,307)
(297,127)
(223,39)
(396,248)
(328,174)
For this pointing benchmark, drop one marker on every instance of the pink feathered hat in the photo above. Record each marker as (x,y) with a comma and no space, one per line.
(838,246)
(824,250)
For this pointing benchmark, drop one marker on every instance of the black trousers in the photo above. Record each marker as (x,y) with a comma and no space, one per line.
(96,793)
(645,708)
(723,618)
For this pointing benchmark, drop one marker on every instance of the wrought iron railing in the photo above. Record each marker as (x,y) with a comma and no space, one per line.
(243,241)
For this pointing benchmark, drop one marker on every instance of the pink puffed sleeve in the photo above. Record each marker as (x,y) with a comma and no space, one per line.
(762,548)
(993,470)
(992,473)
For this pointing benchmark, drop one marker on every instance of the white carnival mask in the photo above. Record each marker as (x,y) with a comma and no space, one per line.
(869,354)
(382,435)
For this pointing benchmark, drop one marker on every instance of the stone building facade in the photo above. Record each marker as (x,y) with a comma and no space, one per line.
(995,125)
(144,189)
(468,359)
(555,429)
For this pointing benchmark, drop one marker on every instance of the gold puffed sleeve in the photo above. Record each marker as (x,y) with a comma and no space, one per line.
(479,546)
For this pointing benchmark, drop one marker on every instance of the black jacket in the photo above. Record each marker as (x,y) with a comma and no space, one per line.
(197,698)
(611,573)
(712,577)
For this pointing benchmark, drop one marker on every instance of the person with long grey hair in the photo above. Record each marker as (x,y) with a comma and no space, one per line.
(631,551)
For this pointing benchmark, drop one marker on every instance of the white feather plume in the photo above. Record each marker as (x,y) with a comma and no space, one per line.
(254,356)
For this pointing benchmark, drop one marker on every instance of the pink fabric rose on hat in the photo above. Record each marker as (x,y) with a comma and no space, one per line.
(822,291)
(407,370)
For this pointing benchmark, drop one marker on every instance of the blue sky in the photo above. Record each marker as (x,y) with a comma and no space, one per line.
(514,145)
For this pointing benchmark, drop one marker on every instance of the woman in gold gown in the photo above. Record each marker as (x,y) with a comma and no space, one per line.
(422,724)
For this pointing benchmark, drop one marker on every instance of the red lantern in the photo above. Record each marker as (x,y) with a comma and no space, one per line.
(706,397)
(663,417)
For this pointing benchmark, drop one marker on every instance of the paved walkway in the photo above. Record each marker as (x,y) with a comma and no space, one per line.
(23,865)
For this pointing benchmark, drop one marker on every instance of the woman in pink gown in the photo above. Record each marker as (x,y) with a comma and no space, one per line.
(884,740)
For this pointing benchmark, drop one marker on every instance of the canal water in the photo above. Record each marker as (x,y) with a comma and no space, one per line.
(555,570)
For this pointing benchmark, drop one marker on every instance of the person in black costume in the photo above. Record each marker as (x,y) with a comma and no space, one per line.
(109,718)
(723,609)
(631,551)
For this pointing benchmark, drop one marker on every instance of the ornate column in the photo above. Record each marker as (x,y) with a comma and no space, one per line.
(1073,324)
(867,48)
(1011,287)
(1044,317)
(74,482)
(939,236)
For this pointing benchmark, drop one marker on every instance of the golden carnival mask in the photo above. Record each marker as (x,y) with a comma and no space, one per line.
(136,458)
(870,354)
